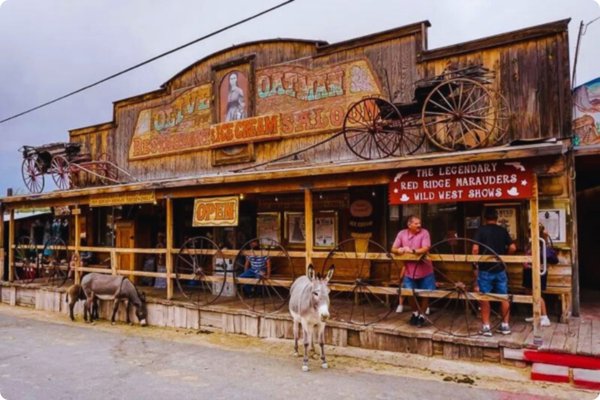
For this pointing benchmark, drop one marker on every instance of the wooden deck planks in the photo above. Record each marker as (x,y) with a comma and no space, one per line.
(584,343)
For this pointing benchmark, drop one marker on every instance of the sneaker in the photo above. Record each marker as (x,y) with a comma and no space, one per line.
(545,321)
(504,329)
(399,309)
(413,319)
(420,321)
(485,331)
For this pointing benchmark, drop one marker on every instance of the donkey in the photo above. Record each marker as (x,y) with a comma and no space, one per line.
(309,306)
(117,288)
(74,294)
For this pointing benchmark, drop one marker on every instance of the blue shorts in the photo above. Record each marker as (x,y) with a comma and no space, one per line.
(492,282)
(426,282)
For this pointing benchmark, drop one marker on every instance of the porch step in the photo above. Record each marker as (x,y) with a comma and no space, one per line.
(562,359)
(549,373)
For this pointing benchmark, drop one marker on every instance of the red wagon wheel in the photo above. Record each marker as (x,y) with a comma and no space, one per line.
(61,174)
(201,271)
(54,262)
(262,294)
(459,114)
(356,298)
(453,309)
(26,257)
(32,171)
(373,128)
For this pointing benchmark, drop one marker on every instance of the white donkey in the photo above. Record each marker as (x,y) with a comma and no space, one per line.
(309,306)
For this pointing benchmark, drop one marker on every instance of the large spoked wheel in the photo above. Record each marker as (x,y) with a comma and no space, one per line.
(257,290)
(54,262)
(33,174)
(453,308)
(373,128)
(26,257)
(201,271)
(412,136)
(359,276)
(59,168)
(459,114)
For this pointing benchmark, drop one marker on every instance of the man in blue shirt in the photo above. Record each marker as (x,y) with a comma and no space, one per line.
(256,266)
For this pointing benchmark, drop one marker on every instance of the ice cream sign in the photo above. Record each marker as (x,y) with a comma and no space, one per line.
(498,180)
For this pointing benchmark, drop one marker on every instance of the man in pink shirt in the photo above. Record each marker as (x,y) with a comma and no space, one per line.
(417,274)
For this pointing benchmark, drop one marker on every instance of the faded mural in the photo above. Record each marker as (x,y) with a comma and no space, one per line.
(586,125)
(290,100)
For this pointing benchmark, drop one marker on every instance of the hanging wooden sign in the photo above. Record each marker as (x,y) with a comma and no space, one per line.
(483,181)
(216,211)
(122,199)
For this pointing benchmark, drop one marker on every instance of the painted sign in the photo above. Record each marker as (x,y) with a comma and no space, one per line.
(482,181)
(216,211)
(122,199)
(290,100)
(587,113)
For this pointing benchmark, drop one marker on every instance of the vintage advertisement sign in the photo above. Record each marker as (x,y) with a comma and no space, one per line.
(122,199)
(483,181)
(586,125)
(290,100)
(216,211)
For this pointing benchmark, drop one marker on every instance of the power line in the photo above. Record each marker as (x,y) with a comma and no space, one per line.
(147,61)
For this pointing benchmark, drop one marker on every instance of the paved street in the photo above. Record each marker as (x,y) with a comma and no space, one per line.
(45,356)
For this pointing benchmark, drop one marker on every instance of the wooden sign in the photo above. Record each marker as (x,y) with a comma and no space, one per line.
(216,211)
(122,199)
(484,181)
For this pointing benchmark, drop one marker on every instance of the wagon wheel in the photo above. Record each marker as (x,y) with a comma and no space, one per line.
(200,271)
(373,128)
(104,167)
(459,114)
(25,260)
(504,119)
(361,301)
(262,295)
(59,168)
(453,307)
(54,262)
(32,171)
(412,136)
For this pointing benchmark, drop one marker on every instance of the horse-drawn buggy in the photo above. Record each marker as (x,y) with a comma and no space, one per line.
(67,165)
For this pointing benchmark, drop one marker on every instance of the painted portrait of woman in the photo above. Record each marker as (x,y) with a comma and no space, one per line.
(233,96)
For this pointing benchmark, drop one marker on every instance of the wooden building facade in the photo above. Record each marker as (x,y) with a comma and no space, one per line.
(260,122)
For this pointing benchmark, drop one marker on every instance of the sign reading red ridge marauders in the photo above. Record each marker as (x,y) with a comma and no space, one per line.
(483,181)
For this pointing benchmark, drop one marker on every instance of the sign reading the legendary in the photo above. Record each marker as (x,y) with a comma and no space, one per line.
(483,181)
(216,211)
(290,100)
(122,199)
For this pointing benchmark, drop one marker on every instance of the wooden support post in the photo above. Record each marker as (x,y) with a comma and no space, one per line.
(77,275)
(535,265)
(169,244)
(2,256)
(308,226)
(113,262)
(11,243)
(574,236)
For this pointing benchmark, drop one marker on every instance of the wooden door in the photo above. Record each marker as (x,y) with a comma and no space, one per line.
(125,238)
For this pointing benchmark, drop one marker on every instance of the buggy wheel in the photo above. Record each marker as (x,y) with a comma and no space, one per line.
(412,136)
(25,260)
(373,128)
(459,114)
(201,271)
(358,277)
(59,168)
(453,307)
(54,262)
(261,293)
(32,172)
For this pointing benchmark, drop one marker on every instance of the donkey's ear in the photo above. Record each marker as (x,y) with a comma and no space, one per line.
(330,273)
(310,272)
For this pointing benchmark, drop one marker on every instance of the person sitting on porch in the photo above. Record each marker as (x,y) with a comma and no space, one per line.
(418,274)
(256,266)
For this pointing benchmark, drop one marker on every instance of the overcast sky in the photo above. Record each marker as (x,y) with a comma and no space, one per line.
(51,47)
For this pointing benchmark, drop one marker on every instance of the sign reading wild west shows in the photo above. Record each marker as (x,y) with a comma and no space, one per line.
(289,100)
(482,181)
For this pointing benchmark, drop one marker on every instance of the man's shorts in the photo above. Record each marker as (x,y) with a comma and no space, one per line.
(492,282)
(426,282)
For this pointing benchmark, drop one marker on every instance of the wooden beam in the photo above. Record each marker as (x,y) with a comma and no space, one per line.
(572,191)
(77,278)
(11,250)
(535,264)
(308,226)
(169,244)
(2,256)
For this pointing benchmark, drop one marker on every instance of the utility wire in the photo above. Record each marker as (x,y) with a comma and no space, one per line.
(147,61)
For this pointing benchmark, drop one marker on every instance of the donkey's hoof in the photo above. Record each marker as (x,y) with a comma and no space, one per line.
(324,365)
(305,368)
